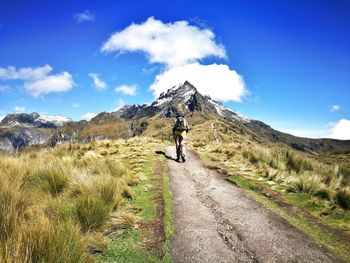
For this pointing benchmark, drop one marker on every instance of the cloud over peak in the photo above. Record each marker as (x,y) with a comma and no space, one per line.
(172,44)
(217,81)
(180,47)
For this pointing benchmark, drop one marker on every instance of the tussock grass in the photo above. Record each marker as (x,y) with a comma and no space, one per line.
(42,240)
(342,197)
(299,172)
(13,205)
(51,178)
(305,183)
(55,204)
(92,212)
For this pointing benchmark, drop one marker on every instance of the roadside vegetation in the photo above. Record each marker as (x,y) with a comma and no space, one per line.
(84,203)
(289,172)
(309,191)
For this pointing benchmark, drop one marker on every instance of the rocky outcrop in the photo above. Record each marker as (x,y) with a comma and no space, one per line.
(20,138)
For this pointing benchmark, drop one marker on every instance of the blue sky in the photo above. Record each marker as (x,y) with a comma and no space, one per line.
(292,56)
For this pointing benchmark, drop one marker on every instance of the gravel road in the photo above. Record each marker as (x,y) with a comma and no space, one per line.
(215,221)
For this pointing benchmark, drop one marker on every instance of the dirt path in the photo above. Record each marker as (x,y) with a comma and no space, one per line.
(216,221)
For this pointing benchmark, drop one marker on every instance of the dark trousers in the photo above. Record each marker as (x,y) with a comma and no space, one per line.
(180,142)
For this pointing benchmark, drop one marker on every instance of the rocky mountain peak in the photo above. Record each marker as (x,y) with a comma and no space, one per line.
(183,97)
(34,120)
(181,92)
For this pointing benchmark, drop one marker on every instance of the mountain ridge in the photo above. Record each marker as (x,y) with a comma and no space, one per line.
(155,120)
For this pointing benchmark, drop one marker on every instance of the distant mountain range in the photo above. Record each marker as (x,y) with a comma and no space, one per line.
(34,120)
(18,131)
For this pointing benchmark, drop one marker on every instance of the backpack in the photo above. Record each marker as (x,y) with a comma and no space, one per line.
(181,124)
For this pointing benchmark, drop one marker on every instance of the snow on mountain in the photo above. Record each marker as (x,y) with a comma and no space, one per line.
(34,120)
(223,111)
(58,120)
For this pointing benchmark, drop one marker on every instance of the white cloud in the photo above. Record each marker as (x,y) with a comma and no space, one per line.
(341,130)
(26,74)
(19,109)
(321,133)
(98,83)
(172,44)
(38,80)
(86,16)
(217,81)
(335,130)
(89,116)
(53,83)
(335,108)
(127,89)
(75,105)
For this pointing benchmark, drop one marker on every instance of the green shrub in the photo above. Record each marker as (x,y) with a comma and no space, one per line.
(92,212)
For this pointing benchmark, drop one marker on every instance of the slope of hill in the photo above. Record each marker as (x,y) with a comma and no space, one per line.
(156,120)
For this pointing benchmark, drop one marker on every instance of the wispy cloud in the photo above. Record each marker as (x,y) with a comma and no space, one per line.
(119,104)
(86,16)
(334,108)
(39,80)
(88,116)
(127,89)
(75,105)
(19,109)
(98,82)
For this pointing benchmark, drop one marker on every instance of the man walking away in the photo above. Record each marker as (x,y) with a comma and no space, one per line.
(180,130)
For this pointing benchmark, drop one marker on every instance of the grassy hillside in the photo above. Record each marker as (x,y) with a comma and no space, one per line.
(85,203)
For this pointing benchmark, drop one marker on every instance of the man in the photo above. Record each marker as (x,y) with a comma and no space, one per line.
(180,130)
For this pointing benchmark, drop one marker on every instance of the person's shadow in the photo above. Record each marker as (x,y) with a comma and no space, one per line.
(166,156)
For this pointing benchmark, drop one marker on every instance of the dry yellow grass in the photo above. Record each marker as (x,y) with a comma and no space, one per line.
(56,203)
(299,172)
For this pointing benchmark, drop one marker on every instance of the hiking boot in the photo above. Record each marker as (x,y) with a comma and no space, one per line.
(178,160)
(183,158)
